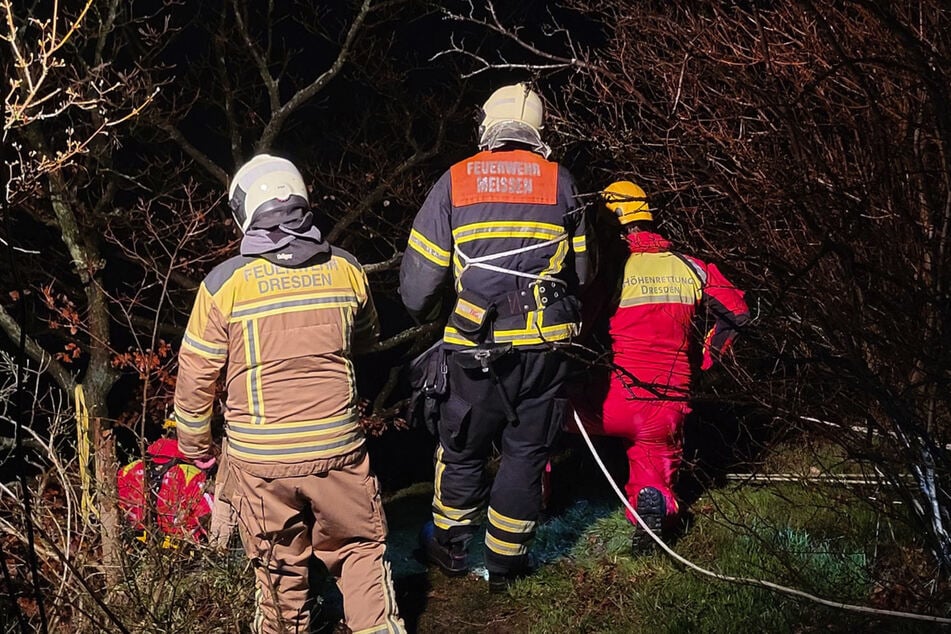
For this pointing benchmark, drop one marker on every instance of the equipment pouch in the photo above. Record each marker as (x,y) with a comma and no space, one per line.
(429,380)
(471,313)
(454,426)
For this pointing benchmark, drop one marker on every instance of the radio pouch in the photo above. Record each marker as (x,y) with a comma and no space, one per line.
(471,314)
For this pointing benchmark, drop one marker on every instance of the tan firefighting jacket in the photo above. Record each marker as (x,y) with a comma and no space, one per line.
(284,337)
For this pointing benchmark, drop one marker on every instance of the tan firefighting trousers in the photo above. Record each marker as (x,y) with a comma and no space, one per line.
(334,514)
(224,519)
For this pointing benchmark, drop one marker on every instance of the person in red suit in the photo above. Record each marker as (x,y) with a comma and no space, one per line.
(654,317)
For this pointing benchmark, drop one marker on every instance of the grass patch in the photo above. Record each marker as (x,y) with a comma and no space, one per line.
(817,539)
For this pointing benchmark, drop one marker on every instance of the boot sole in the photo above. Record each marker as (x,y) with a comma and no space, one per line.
(651,508)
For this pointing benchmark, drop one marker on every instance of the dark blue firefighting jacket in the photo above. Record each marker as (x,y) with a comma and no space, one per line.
(505,227)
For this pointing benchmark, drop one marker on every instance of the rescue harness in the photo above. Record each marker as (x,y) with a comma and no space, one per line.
(473,311)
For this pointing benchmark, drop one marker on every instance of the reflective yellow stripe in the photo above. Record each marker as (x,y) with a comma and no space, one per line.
(465,516)
(521,337)
(307,304)
(445,517)
(531,335)
(657,299)
(506,229)
(451,335)
(195,429)
(426,248)
(579,244)
(252,358)
(195,426)
(556,261)
(445,523)
(350,415)
(203,348)
(302,455)
(504,548)
(257,625)
(440,468)
(296,436)
(393,624)
(509,524)
(185,417)
(291,438)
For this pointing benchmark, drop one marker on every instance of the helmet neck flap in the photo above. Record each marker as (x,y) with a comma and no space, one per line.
(506,132)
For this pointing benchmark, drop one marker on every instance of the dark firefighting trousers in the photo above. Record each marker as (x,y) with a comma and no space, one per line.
(474,417)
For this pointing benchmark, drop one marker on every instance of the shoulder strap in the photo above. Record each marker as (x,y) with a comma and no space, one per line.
(695,268)
(155,472)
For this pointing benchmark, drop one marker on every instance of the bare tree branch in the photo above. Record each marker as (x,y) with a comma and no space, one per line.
(407,335)
(197,155)
(35,351)
(280,115)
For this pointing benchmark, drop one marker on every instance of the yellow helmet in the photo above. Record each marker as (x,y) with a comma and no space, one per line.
(627,201)
(517,103)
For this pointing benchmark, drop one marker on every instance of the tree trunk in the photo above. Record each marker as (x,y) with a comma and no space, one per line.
(103,442)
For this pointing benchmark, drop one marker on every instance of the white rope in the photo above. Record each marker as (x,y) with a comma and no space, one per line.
(480,261)
(740,580)
(820,478)
(859,429)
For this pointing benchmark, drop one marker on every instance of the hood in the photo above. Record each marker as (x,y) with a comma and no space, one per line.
(647,242)
(284,236)
(164,449)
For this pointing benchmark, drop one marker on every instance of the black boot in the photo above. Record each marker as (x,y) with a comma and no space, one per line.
(652,508)
(500,582)
(452,558)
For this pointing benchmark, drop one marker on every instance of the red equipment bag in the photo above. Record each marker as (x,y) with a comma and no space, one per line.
(176,487)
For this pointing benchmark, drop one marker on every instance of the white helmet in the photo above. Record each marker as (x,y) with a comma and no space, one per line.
(263,184)
(517,102)
(518,107)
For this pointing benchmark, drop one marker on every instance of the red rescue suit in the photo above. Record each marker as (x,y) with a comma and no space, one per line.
(652,331)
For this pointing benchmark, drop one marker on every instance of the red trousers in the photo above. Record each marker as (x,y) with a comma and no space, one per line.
(652,430)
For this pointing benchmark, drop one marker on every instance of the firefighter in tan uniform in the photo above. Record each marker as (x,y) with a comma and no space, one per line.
(504,228)
(282,320)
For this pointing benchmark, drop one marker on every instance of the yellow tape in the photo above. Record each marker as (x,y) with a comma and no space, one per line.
(83,447)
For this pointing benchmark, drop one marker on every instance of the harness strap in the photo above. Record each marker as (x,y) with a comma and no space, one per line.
(481,261)
(693,266)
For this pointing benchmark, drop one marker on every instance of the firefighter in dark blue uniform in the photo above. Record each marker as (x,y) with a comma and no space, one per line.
(504,227)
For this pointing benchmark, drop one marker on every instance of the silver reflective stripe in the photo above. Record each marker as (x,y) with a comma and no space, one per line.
(220,352)
(310,301)
(301,449)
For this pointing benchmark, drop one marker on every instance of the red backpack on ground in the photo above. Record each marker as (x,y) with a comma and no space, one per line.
(175,486)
